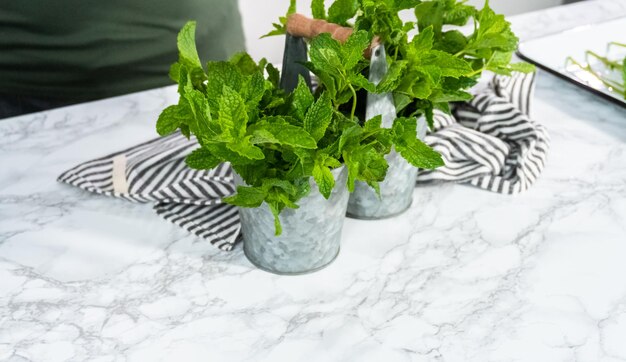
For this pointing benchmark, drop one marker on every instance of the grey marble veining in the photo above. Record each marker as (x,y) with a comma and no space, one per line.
(463,275)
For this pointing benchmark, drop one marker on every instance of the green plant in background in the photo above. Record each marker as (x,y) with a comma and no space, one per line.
(277,141)
(615,84)
(439,64)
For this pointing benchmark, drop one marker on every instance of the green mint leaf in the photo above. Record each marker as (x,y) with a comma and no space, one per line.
(459,14)
(342,10)
(292,7)
(373,124)
(247,197)
(246,149)
(278,130)
(232,113)
(318,9)
(170,119)
(416,152)
(220,74)
(439,96)
(273,75)
(430,14)
(449,65)
(255,87)
(452,42)
(361,82)
(323,177)
(202,159)
(187,51)
(319,116)
(393,77)
(405,4)
(223,152)
(421,44)
(354,47)
(493,33)
(184,129)
(202,123)
(302,99)
(326,54)
(279,29)
(401,101)
(522,67)
(350,137)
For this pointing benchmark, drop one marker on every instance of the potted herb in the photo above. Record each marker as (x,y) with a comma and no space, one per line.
(294,154)
(425,72)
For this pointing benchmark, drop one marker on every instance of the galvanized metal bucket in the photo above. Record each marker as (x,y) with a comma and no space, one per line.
(396,192)
(311,235)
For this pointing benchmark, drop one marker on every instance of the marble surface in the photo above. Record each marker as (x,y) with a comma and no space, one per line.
(464,275)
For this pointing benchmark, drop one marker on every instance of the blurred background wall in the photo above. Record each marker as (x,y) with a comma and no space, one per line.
(259,14)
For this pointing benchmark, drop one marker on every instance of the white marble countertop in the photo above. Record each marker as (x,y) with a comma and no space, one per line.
(464,275)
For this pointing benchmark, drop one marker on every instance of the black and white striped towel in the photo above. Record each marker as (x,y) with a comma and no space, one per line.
(494,145)
(491,142)
(155,171)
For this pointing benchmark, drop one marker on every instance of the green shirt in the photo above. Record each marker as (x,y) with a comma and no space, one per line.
(88,49)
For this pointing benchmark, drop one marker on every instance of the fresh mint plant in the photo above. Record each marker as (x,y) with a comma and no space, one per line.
(439,64)
(277,141)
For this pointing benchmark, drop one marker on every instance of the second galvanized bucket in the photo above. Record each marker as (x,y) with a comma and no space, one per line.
(396,192)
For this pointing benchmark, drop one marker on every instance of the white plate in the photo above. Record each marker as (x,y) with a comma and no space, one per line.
(551,53)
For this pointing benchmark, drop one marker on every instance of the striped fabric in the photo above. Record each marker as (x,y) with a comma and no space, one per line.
(491,142)
(155,171)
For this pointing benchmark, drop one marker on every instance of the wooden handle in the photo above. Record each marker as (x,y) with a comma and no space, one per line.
(302,26)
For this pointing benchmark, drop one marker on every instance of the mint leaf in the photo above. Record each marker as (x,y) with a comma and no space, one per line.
(247,197)
(393,77)
(232,113)
(202,159)
(493,33)
(361,82)
(246,149)
(273,75)
(324,178)
(354,47)
(220,74)
(522,67)
(373,123)
(255,90)
(325,52)
(202,123)
(244,62)
(187,52)
(278,130)
(416,152)
(342,10)
(170,119)
(452,42)
(318,117)
(318,9)
(302,99)
(405,4)
(449,65)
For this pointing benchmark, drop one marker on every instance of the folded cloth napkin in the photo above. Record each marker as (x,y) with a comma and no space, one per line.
(494,145)
(491,142)
(155,171)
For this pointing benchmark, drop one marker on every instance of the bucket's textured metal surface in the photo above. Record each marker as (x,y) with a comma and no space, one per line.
(311,234)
